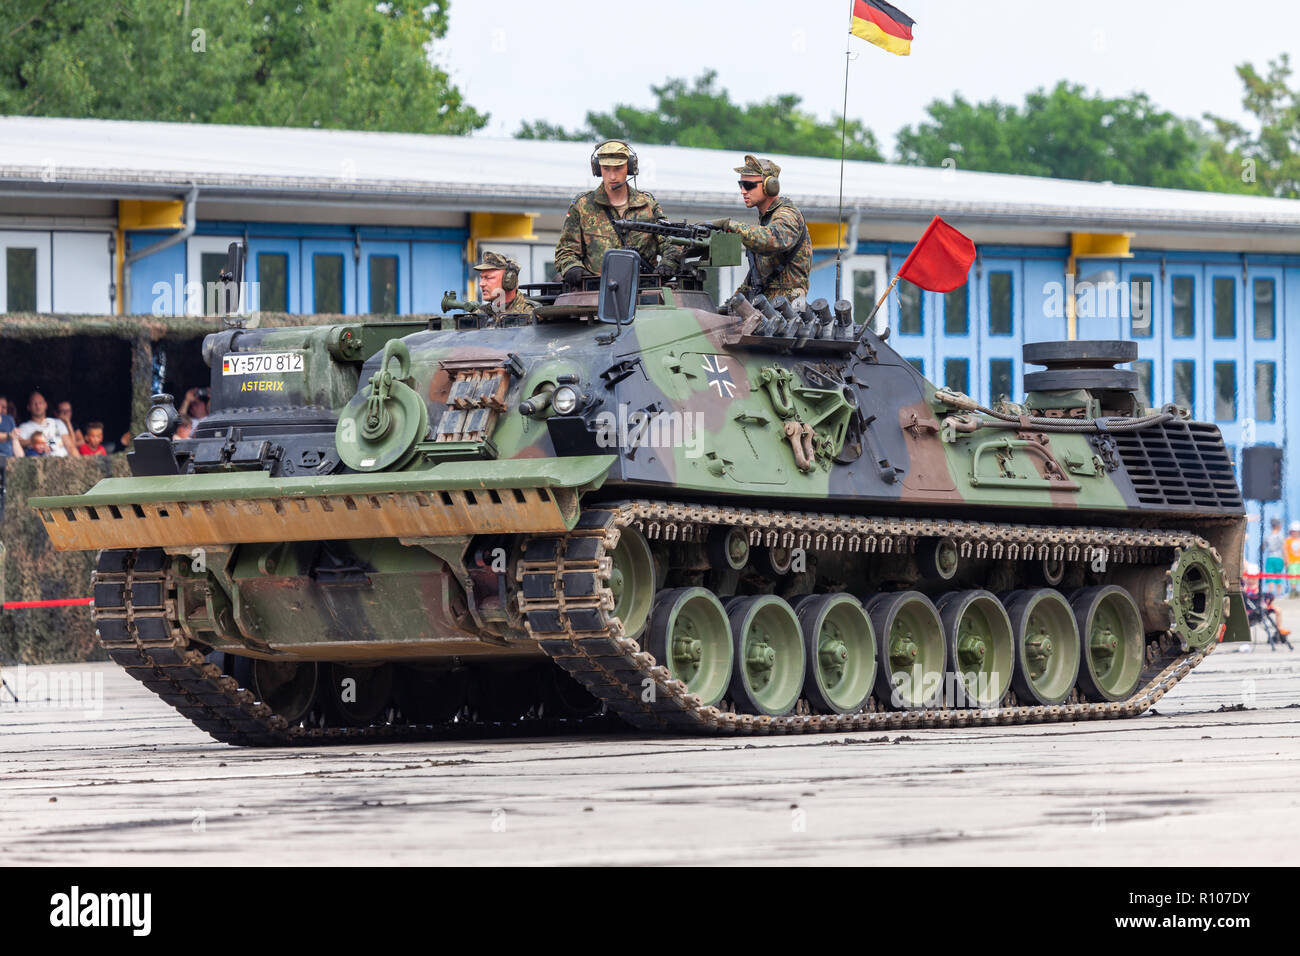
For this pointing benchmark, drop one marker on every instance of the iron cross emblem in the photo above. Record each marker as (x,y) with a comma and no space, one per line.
(719,376)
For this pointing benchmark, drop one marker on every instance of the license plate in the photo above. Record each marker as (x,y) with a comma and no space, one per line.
(261,363)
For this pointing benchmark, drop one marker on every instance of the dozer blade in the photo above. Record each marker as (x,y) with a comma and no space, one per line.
(455,498)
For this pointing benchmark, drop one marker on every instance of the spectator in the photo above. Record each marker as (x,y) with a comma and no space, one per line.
(184,427)
(9,444)
(195,405)
(65,416)
(37,445)
(57,437)
(94,443)
(1274,560)
(1291,547)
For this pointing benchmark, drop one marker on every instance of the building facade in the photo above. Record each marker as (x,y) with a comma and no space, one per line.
(119,218)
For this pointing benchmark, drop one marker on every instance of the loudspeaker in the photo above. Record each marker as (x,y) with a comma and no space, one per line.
(1261,473)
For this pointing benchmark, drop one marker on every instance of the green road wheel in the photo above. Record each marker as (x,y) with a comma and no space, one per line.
(632,579)
(981,652)
(690,635)
(1197,597)
(1110,627)
(768,669)
(286,687)
(357,695)
(911,651)
(841,652)
(1047,646)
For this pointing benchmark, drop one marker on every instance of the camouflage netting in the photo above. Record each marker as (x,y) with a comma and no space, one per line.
(34,571)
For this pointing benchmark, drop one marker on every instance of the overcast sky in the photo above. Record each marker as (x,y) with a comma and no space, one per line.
(530,59)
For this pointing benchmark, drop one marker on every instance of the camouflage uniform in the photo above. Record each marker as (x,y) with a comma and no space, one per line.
(589,231)
(519,306)
(779,245)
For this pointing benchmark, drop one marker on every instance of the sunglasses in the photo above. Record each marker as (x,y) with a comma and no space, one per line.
(747,185)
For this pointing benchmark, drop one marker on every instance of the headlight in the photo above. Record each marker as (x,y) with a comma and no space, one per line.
(565,400)
(159,419)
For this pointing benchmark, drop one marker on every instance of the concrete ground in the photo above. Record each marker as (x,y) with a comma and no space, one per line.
(1194,783)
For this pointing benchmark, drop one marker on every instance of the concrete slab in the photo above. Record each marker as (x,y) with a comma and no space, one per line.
(1190,784)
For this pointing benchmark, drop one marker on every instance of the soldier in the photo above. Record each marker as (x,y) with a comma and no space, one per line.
(589,230)
(498,286)
(779,247)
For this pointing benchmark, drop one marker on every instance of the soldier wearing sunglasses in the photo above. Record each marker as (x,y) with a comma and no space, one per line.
(779,248)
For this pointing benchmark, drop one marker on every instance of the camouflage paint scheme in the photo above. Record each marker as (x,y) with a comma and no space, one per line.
(730,400)
(588,233)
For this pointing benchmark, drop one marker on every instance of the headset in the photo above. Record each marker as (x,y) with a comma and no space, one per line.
(633,165)
(510,280)
(771,186)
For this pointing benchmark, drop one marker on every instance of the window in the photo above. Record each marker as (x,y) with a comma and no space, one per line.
(1225,391)
(956,375)
(999,380)
(1225,307)
(864,293)
(1265,309)
(909,308)
(1184,306)
(1145,369)
(273,282)
(383,285)
(327,282)
(20,277)
(954,312)
(1000,303)
(211,265)
(1265,390)
(1139,306)
(918,364)
(1185,384)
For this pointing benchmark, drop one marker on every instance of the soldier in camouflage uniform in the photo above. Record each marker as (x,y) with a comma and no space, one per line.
(498,286)
(589,227)
(779,247)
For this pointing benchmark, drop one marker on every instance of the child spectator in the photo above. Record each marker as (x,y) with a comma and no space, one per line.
(65,416)
(195,404)
(58,439)
(184,427)
(1291,547)
(94,443)
(38,446)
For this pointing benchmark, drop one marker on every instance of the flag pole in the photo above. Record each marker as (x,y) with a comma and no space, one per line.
(844,125)
(878,305)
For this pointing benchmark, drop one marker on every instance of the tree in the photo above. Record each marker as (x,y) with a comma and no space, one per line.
(702,115)
(343,64)
(1266,160)
(1065,133)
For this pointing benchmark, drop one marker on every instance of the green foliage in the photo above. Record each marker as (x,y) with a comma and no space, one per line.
(1064,133)
(1265,160)
(341,64)
(700,114)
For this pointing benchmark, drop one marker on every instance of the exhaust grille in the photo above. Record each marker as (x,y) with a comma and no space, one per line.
(1180,465)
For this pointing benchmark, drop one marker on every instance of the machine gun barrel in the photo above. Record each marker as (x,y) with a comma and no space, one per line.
(680,232)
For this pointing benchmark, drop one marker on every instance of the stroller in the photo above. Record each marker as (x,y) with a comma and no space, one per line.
(1260,610)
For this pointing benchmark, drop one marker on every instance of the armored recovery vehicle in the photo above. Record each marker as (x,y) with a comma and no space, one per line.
(700,519)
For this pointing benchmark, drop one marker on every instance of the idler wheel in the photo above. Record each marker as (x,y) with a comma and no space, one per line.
(1110,626)
(1047,645)
(631,579)
(287,687)
(357,695)
(840,647)
(981,652)
(768,668)
(910,649)
(691,636)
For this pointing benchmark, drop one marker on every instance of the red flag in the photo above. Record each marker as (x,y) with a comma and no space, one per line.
(941,260)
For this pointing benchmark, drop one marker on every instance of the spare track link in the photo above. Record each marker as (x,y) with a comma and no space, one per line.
(567,605)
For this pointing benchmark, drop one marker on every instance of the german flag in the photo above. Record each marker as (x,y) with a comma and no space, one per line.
(882,24)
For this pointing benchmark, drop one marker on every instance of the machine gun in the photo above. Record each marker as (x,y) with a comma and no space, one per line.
(451,303)
(704,242)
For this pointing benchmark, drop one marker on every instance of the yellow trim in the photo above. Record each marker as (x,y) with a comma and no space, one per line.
(1101,245)
(151,214)
(119,261)
(495,227)
(866,30)
(828,235)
